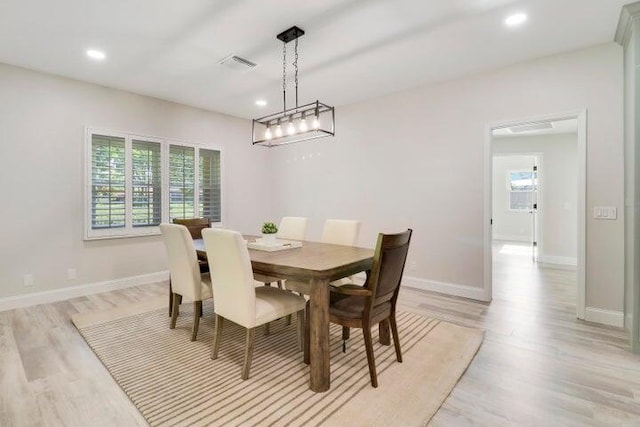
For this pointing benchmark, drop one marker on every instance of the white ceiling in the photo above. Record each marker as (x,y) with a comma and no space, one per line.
(353,49)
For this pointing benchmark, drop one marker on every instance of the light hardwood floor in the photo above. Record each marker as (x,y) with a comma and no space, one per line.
(537,366)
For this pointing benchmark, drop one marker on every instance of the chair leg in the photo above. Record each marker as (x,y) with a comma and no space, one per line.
(170,298)
(396,339)
(175,311)
(368,343)
(266,325)
(383,328)
(300,330)
(217,336)
(200,309)
(346,333)
(248,354)
(197,307)
(280,284)
(307,338)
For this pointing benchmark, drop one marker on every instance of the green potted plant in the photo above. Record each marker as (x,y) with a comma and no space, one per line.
(269,230)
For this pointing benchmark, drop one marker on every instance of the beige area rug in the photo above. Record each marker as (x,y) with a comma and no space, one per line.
(173,381)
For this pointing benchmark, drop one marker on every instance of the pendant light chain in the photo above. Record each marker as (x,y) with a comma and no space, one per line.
(284,76)
(295,66)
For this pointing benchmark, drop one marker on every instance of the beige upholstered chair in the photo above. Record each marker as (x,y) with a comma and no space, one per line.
(195,226)
(186,279)
(336,232)
(291,228)
(237,299)
(341,232)
(364,307)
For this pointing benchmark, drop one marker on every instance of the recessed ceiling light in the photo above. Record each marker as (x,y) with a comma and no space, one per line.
(98,55)
(515,19)
(261,102)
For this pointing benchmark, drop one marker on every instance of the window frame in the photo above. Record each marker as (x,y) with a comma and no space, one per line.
(140,231)
(510,190)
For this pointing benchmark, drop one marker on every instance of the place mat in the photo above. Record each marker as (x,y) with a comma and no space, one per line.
(278,245)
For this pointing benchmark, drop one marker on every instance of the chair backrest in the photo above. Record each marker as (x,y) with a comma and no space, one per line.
(292,228)
(232,276)
(183,262)
(388,265)
(194,225)
(341,232)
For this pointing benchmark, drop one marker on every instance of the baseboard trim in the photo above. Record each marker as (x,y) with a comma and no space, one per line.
(562,260)
(512,238)
(606,317)
(453,289)
(45,297)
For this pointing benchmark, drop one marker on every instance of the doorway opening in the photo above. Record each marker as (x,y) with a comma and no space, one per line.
(516,194)
(535,199)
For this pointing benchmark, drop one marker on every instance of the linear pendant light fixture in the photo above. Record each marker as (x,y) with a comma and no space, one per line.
(301,123)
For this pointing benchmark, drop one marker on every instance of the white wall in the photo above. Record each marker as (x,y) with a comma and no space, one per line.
(557,213)
(631,41)
(415,159)
(508,224)
(42,120)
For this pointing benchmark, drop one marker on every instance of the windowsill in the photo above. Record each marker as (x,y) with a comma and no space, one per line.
(122,233)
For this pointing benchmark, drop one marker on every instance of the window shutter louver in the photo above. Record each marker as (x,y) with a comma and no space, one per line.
(209,170)
(107,182)
(146,183)
(181,181)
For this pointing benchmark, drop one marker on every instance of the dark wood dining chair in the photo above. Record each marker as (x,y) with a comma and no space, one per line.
(195,227)
(365,306)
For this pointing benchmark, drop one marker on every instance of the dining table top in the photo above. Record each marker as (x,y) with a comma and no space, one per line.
(311,260)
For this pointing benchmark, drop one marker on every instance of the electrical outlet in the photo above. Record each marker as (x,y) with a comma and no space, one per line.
(413,266)
(28,280)
(72,274)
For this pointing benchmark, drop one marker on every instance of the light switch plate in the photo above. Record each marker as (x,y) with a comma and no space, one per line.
(605,212)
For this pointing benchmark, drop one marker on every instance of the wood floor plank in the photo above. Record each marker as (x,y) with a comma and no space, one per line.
(17,403)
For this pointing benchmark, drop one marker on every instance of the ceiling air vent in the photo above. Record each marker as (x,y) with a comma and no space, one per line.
(237,63)
(530,127)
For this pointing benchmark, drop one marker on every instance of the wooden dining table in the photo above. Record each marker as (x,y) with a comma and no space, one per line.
(317,264)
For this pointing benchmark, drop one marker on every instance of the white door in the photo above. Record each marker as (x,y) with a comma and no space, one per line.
(534,210)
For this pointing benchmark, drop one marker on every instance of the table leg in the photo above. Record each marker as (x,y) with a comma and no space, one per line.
(383,332)
(319,336)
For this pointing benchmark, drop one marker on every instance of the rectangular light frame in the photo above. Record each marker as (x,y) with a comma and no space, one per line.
(326,128)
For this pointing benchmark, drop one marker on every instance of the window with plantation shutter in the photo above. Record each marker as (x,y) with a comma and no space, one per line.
(146,180)
(107,182)
(182,182)
(134,183)
(209,180)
